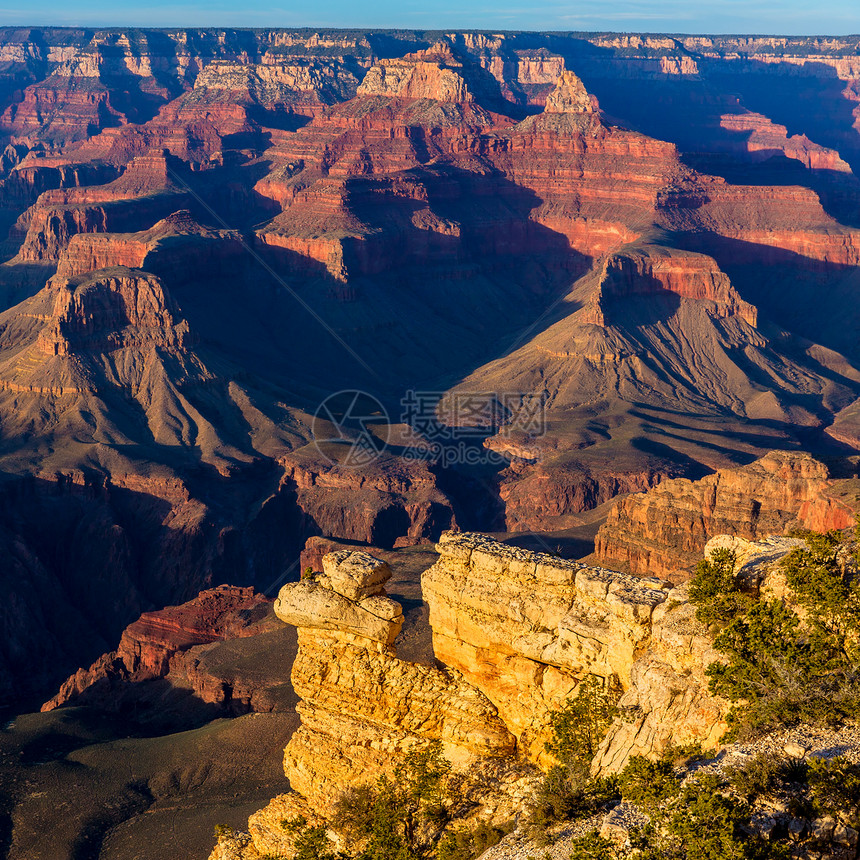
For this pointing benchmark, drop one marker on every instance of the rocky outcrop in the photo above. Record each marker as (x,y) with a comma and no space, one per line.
(663,531)
(62,108)
(155,646)
(763,139)
(570,96)
(666,702)
(146,192)
(115,312)
(175,246)
(316,548)
(281,86)
(361,707)
(432,74)
(516,631)
(525,628)
(653,270)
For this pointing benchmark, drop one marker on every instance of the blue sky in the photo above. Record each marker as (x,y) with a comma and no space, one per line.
(787,17)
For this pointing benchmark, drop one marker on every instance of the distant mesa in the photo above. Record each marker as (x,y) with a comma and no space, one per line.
(570,96)
(432,74)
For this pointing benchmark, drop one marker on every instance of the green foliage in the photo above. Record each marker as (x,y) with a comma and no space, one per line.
(764,774)
(567,792)
(354,809)
(386,818)
(703,820)
(308,574)
(647,783)
(715,590)
(466,844)
(708,825)
(769,668)
(700,822)
(592,846)
(834,786)
(785,667)
(313,844)
(390,831)
(310,843)
(222,831)
(684,754)
(424,773)
(580,725)
(829,596)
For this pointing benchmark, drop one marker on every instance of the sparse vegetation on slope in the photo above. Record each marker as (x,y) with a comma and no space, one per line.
(402,818)
(786,661)
(568,791)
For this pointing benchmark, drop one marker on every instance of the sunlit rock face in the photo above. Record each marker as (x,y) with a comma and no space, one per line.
(664,530)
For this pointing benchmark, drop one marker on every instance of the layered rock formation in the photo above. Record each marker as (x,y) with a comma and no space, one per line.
(764,139)
(104,363)
(664,531)
(432,74)
(113,549)
(144,193)
(351,684)
(166,644)
(388,501)
(370,180)
(666,701)
(657,286)
(516,631)
(525,627)
(362,709)
(175,246)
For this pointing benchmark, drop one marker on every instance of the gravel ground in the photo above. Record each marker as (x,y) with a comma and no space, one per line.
(516,846)
(821,743)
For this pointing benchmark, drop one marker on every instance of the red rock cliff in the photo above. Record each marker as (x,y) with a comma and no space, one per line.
(663,532)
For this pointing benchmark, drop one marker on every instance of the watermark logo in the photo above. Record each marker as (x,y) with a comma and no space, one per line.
(352,428)
(473,414)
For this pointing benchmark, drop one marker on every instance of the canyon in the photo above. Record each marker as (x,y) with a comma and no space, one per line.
(270,294)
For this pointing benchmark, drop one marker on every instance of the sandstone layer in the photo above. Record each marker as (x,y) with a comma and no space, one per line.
(664,530)
(525,628)
(362,709)
(516,632)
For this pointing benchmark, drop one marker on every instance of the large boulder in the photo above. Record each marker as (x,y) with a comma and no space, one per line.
(354,574)
(311,605)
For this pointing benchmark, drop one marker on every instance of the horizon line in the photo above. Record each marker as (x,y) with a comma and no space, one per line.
(395,29)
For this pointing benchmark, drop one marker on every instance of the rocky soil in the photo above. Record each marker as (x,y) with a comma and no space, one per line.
(800,742)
